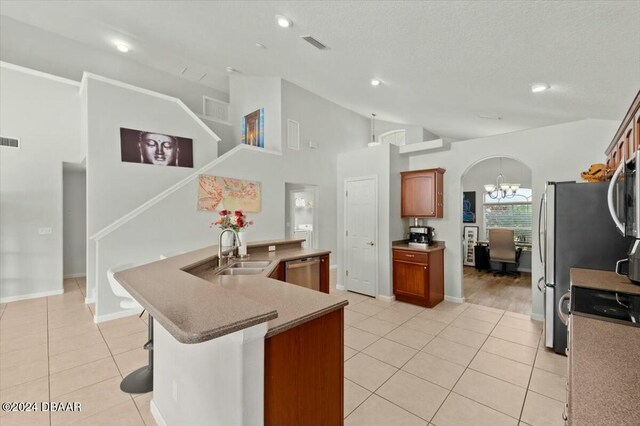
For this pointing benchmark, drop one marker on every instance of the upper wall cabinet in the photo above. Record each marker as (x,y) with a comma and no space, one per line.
(422,193)
(627,139)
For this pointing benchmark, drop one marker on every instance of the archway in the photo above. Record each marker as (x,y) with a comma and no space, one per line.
(508,211)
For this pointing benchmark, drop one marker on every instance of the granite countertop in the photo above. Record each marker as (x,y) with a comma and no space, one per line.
(602,280)
(404,245)
(194,304)
(604,373)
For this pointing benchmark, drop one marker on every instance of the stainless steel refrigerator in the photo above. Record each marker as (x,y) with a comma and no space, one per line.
(575,230)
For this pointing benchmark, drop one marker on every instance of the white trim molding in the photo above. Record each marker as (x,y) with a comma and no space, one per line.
(454,299)
(537,317)
(9,299)
(116,315)
(87,75)
(89,300)
(78,275)
(340,287)
(391,298)
(156,414)
(37,73)
(333,267)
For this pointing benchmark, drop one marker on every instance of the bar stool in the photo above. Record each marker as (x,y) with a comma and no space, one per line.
(141,380)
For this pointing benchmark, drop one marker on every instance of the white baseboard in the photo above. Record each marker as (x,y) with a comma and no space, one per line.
(116,315)
(156,414)
(537,317)
(524,270)
(9,299)
(333,267)
(454,299)
(340,287)
(89,300)
(78,275)
(391,298)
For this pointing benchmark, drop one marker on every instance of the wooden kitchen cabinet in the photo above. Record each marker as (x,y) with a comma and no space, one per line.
(626,141)
(418,277)
(421,193)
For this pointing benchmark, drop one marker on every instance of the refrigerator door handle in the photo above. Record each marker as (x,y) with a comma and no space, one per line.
(542,287)
(612,209)
(563,317)
(541,230)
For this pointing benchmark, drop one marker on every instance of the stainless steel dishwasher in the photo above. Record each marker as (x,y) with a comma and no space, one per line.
(304,272)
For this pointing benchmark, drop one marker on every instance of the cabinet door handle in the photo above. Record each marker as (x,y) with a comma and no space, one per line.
(371,243)
(425,267)
(409,255)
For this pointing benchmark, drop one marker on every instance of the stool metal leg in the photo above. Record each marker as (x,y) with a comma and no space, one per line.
(141,380)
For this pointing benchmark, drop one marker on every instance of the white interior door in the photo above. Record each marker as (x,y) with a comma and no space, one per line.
(361,225)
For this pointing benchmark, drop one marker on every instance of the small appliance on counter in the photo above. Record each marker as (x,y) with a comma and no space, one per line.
(421,236)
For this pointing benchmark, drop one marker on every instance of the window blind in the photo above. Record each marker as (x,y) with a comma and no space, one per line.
(516,216)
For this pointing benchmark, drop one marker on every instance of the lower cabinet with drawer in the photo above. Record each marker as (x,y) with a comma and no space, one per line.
(418,277)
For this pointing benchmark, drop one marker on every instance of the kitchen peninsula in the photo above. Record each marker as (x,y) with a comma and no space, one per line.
(242,349)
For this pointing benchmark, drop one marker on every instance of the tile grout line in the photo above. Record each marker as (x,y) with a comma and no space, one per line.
(400,368)
(463,371)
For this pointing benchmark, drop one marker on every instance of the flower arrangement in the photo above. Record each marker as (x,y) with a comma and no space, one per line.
(235,220)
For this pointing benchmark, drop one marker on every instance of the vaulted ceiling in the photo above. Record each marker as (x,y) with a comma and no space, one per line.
(442,64)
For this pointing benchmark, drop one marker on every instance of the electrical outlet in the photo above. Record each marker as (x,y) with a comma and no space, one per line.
(174,390)
(272,248)
(44,231)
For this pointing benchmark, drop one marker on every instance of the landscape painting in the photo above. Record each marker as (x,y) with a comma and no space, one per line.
(222,193)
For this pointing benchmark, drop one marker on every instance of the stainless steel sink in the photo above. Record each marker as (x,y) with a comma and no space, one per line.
(250,264)
(240,271)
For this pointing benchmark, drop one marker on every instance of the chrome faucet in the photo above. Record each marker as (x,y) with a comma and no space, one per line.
(236,244)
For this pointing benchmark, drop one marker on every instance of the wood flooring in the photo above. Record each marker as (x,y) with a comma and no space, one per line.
(502,292)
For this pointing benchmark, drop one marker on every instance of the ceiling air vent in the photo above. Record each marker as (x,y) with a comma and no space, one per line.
(314,42)
(9,142)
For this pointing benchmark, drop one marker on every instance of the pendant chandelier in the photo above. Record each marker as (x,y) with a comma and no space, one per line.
(374,141)
(501,189)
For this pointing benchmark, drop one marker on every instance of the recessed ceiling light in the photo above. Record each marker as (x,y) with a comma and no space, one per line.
(539,87)
(123,47)
(231,70)
(283,21)
(260,46)
(375,82)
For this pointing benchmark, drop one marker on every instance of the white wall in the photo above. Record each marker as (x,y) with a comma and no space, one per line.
(75,221)
(44,113)
(114,187)
(557,152)
(249,94)
(335,129)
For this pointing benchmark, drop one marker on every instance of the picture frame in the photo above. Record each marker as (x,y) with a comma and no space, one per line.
(470,240)
(253,128)
(469,207)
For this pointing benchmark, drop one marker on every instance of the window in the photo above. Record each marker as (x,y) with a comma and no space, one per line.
(394,137)
(510,213)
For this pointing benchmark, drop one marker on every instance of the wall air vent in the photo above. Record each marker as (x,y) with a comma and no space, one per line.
(314,42)
(9,142)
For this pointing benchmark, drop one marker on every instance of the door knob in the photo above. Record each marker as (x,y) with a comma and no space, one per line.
(371,243)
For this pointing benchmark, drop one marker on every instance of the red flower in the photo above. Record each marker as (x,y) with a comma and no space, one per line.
(223,212)
(240,223)
(239,213)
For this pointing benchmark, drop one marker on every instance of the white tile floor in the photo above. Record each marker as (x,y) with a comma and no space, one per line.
(451,365)
(456,364)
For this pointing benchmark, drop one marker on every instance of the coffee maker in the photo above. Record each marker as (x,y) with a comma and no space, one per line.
(421,236)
